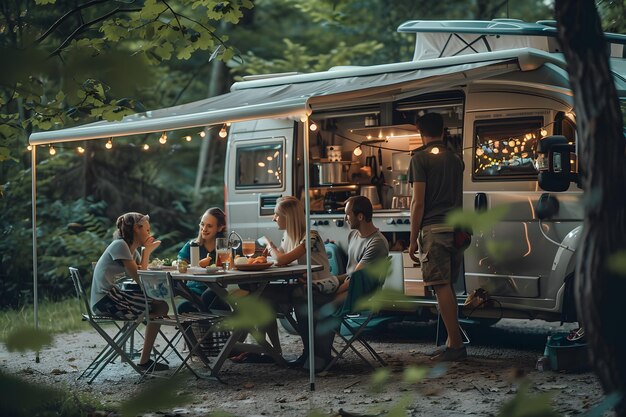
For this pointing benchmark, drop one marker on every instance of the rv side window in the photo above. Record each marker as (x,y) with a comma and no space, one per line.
(506,148)
(260,166)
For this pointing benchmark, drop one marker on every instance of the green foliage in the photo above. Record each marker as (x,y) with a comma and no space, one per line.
(525,404)
(158,395)
(379,379)
(250,312)
(27,338)
(383,299)
(617,262)
(23,399)
(54,317)
(476,221)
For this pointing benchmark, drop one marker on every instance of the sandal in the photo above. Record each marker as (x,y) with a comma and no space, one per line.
(576,334)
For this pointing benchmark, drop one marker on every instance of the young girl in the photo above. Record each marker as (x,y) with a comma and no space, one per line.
(212,225)
(289,216)
(121,258)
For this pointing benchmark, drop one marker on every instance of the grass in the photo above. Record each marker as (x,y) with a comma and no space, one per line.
(54,316)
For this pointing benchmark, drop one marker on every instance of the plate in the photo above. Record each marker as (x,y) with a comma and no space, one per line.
(254,267)
(212,269)
(196,270)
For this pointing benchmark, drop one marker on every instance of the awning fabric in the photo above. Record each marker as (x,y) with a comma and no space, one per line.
(295,96)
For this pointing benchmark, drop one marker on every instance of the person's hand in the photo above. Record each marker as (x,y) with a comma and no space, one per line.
(205,262)
(151,244)
(412,251)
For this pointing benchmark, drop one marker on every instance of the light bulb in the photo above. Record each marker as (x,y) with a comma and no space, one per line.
(261,164)
(544,132)
(202,134)
(223,133)
(188,138)
(80,149)
(29,147)
(109,144)
(434,150)
(52,151)
(146,146)
(313,127)
(358,151)
(163,139)
(303,119)
(228,124)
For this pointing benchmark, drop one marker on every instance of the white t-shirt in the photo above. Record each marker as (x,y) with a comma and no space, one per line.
(323,280)
(109,269)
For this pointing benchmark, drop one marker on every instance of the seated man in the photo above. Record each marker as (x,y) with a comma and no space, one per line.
(366,244)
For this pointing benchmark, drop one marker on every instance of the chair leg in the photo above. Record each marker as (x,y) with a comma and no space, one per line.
(355,336)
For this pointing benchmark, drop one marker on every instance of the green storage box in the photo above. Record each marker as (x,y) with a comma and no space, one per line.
(565,355)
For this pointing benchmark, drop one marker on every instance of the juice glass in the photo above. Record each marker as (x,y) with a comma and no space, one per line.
(248,247)
(223,251)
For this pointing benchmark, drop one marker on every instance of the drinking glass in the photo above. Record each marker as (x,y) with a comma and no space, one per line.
(248,247)
(223,251)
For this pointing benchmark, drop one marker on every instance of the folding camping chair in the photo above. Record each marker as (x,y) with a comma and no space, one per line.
(363,283)
(159,286)
(115,343)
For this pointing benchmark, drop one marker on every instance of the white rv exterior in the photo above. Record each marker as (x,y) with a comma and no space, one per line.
(501,86)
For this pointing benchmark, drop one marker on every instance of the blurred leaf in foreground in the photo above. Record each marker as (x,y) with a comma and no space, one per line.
(527,405)
(21,398)
(413,374)
(27,338)
(249,312)
(617,262)
(476,220)
(399,408)
(384,298)
(159,395)
(379,378)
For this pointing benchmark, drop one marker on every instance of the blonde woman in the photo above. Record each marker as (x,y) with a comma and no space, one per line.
(289,216)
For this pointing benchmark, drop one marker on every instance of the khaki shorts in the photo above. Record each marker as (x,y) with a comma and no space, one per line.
(441,260)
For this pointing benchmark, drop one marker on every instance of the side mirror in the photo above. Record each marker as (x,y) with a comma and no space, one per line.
(556,163)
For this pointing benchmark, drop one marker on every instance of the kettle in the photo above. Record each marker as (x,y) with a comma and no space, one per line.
(371,192)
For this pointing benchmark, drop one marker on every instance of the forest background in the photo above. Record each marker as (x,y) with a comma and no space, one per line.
(67,63)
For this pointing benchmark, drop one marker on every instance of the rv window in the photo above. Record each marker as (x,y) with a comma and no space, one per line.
(260,166)
(506,148)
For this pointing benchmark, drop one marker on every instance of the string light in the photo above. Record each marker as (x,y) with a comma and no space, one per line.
(188,138)
(80,150)
(52,150)
(313,127)
(146,146)
(29,147)
(163,139)
(223,132)
(202,134)
(544,133)
(109,144)
(357,151)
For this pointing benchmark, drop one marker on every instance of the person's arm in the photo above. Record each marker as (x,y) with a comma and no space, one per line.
(417,215)
(284,258)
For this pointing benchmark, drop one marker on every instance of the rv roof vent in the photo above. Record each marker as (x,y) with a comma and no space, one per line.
(265,76)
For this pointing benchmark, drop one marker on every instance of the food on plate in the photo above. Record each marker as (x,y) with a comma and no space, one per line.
(156,263)
(205,262)
(241,261)
(182,266)
(257,260)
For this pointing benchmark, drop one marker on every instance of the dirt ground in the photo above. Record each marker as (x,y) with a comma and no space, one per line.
(502,358)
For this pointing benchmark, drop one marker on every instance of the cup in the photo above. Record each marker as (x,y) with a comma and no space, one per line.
(248,247)
(223,251)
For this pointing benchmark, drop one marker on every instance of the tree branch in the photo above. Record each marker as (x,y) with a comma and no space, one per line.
(65,17)
(84,26)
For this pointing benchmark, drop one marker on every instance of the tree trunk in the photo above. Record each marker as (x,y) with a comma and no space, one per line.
(601,150)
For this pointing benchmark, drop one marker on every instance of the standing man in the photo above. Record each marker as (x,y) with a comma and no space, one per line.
(437,177)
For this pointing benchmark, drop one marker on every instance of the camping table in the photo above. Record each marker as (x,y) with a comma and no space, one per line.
(218,283)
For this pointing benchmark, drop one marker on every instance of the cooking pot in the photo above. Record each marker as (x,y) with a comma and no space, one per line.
(332,172)
(371,192)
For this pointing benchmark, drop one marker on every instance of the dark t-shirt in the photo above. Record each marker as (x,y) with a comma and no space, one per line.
(442,171)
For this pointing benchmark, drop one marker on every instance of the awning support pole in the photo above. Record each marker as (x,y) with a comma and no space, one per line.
(33,170)
(309,275)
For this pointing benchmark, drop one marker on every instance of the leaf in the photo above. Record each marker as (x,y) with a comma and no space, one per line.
(607,404)
(249,312)
(399,408)
(476,221)
(413,374)
(617,262)
(527,405)
(385,298)
(379,378)
(159,395)
(44,2)
(21,398)
(27,338)
(498,249)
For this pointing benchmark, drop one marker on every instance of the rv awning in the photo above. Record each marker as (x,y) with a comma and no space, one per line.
(298,95)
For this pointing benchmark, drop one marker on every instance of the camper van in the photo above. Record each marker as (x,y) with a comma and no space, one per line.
(501,87)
